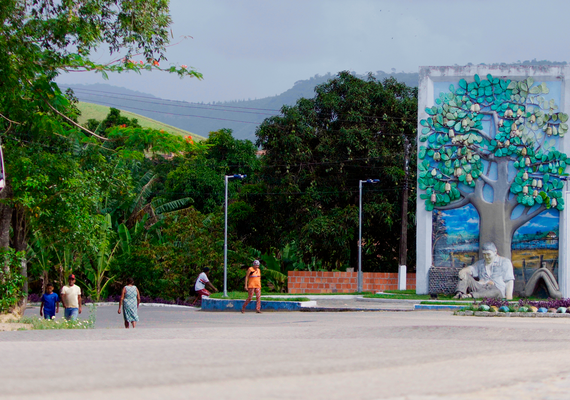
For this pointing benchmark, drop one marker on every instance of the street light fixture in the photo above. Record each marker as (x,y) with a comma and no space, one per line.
(227,177)
(359,277)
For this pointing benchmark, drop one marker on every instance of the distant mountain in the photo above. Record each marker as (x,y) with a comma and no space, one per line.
(241,116)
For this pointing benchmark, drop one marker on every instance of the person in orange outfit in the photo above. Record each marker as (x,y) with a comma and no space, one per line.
(253,285)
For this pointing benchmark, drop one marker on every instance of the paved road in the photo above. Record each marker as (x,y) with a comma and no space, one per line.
(181,354)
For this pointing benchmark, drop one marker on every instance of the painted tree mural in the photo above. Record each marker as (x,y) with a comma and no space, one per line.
(492,143)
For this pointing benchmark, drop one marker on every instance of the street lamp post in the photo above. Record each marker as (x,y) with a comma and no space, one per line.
(227,177)
(359,277)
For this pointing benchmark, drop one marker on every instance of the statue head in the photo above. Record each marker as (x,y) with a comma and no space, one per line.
(489,251)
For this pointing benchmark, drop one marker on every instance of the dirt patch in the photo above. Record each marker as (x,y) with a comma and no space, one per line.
(13,326)
(8,323)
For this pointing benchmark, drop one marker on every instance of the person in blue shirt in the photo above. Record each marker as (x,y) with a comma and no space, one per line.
(50,303)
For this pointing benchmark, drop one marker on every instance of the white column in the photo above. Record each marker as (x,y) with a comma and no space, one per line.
(402,277)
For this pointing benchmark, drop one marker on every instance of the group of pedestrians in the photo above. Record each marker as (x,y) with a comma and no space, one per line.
(252,285)
(71,301)
(131,298)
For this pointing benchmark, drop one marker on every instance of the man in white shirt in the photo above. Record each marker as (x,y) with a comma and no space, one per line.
(200,287)
(71,299)
(495,277)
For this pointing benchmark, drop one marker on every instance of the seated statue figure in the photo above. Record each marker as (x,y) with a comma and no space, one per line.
(495,277)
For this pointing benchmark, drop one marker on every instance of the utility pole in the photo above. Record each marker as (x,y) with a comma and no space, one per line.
(402,269)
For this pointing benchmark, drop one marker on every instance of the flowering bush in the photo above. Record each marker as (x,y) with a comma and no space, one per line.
(550,303)
(62,323)
(522,305)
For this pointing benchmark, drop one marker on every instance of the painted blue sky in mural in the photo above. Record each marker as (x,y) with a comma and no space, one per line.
(465,222)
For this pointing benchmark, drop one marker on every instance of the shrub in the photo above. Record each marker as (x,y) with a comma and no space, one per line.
(11,281)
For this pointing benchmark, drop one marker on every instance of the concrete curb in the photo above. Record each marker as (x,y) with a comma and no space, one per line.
(116,303)
(339,309)
(373,300)
(436,307)
(209,304)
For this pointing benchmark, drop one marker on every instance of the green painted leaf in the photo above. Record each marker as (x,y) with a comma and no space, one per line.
(463,83)
(546,178)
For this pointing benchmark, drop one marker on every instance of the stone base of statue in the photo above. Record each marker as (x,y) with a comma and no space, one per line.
(544,275)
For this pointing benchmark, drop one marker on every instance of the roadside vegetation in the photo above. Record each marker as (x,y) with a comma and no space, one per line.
(110,198)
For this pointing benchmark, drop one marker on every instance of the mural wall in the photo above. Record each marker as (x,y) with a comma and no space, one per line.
(492,167)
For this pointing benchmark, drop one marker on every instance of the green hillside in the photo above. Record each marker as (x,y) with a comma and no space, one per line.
(99,112)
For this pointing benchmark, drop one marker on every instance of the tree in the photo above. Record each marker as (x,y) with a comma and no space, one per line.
(494,134)
(316,153)
(201,175)
(39,40)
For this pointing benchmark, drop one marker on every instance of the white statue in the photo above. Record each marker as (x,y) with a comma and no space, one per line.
(495,277)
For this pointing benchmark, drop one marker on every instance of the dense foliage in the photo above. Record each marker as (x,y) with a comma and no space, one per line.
(317,152)
(111,199)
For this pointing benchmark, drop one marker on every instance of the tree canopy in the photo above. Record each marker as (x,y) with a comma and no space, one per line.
(316,153)
(500,134)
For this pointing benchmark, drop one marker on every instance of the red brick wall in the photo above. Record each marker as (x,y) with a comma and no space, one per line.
(344,282)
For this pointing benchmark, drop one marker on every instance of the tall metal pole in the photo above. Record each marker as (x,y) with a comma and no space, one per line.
(226,241)
(359,276)
(402,268)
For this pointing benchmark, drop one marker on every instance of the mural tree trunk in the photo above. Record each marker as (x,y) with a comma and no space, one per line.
(487,146)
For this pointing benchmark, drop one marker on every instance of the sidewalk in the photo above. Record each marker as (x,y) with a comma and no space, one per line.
(357,303)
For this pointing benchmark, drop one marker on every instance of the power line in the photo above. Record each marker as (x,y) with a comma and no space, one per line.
(182,106)
(179,115)
(174,101)
(198,106)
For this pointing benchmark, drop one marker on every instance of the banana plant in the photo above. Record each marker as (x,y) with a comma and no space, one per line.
(96,281)
(40,251)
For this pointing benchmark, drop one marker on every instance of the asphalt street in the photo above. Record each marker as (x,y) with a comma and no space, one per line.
(184,354)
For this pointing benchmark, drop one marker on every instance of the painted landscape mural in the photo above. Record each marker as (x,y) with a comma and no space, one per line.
(456,242)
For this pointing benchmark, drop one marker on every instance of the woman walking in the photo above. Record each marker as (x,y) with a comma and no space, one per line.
(253,285)
(130,300)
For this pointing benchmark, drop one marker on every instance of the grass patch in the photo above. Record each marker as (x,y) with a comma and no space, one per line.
(243,296)
(447,303)
(99,112)
(409,291)
(401,296)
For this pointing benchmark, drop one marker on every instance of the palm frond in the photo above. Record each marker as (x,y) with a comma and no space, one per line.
(173,205)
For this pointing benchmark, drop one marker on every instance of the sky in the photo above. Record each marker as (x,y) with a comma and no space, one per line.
(249,49)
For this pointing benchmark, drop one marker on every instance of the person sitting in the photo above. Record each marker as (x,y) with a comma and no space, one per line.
(495,277)
(200,287)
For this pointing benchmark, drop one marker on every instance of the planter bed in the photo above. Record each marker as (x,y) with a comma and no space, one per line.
(512,314)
